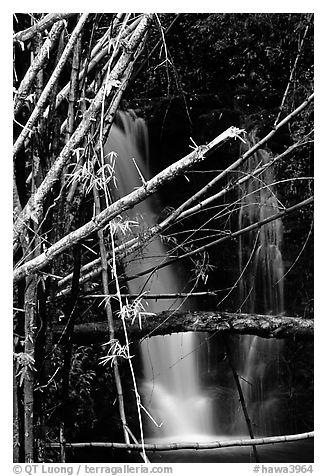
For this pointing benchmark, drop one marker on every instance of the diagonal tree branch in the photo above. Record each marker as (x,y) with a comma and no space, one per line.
(93,268)
(125,203)
(40,106)
(242,231)
(42,25)
(37,64)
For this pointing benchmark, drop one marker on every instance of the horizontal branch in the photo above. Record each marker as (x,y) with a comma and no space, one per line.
(269,440)
(125,203)
(169,322)
(146,296)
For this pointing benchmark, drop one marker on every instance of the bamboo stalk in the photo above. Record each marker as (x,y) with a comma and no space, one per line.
(242,231)
(36,66)
(34,205)
(269,440)
(167,261)
(96,57)
(152,296)
(73,90)
(105,285)
(29,349)
(16,429)
(179,214)
(39,108)
(119,206)
(42,25)
(71,315)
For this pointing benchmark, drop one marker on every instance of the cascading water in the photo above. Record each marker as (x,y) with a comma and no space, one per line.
(186,383)
(171,389)
(261,292)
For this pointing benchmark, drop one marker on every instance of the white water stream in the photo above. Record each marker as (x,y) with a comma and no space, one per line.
(171,389)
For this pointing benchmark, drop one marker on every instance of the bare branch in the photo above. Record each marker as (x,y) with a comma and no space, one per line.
(189,446)
(93,268)
(36,66)
(39,108)
(123,204)
(33,207)
(237,233)
(42,25)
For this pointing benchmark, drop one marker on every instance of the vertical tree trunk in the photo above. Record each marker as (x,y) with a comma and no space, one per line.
(71,315)
(105,285)
(16,436)
(30,311)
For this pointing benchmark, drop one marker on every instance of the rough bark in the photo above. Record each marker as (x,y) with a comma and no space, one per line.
(279,327)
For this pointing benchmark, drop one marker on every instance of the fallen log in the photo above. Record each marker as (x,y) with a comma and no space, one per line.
(169,322)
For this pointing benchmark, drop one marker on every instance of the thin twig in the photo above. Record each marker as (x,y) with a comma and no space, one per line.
(242,400)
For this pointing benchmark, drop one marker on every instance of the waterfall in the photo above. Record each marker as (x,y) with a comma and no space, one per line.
(170,388)
(261,292)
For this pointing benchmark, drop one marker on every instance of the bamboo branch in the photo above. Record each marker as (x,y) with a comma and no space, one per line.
(96,57)
(94,269)
(110,321)
(168,261)
(121,205)
(186,213)
(42,25)
(73,89)
(146,296)
(91,270)
(182,211)
(236,164)
(39,108)
(192,446)
(69,334)
(36,66)
(29,379)
(33,207)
